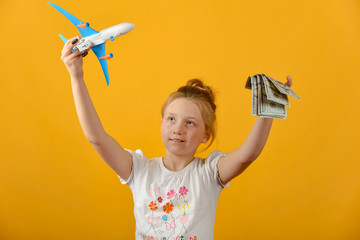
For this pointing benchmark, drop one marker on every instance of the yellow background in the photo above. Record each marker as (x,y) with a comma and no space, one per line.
(305,184)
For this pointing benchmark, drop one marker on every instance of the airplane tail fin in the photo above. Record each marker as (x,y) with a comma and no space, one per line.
(63,38)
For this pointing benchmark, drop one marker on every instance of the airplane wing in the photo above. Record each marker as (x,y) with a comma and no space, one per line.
(85,32)
(99,51)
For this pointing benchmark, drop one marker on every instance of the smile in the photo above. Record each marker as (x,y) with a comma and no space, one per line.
(177,140)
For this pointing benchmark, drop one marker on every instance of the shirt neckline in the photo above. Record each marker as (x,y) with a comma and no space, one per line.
(169,172)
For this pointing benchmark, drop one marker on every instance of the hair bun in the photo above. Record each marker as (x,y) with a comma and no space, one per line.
(199,84)
(196,86)
(195,83)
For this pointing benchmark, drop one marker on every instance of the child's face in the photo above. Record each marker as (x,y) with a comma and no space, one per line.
(183,128)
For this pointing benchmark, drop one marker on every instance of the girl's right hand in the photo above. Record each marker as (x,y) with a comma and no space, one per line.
(73,60)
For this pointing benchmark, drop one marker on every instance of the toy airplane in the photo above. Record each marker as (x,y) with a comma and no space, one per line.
(94,39)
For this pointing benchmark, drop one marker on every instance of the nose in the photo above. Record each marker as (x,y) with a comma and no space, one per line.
(178,128)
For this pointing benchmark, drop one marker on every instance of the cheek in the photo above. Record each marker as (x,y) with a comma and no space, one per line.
(164,128)
(162,125)
(197,136)
(163,134)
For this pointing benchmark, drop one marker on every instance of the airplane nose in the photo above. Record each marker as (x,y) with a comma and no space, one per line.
(129,26)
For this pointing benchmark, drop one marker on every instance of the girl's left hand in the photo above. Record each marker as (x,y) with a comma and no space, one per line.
(289,81)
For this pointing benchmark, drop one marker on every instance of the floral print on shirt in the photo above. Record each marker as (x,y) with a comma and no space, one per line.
(168,216)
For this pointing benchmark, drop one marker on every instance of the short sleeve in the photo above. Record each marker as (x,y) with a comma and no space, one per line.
(212,162)
(137,158)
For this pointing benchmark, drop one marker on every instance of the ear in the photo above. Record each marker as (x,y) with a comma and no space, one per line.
(206,138)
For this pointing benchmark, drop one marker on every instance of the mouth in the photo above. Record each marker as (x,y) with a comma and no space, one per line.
(176,140)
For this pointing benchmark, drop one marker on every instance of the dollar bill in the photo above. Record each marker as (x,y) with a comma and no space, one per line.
(254,96)
(272,92)
(283,88)
(269,108)
(259,94)
(269,96)
(249,82)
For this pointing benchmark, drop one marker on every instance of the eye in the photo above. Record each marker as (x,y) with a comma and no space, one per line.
(190,123)
(171,119)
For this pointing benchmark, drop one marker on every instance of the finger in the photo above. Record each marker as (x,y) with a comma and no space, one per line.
(71,40)
(68,47)
(289,81)
(68,43)
(72,57)
(75,41)
(85,52)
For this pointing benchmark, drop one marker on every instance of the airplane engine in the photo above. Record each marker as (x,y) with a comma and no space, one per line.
(84,25)
(107,56)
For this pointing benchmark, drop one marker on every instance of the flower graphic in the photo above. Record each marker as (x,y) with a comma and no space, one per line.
(153,206)
(184,219)
(165,218)
(168,208)
(171,194)
(160,199)
(183,191)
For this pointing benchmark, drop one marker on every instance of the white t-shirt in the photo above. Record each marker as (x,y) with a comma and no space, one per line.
(174,205)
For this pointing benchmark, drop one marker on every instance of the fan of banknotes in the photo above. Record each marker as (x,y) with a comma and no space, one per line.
(269,96)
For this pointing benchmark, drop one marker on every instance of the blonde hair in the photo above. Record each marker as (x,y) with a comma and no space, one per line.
(204,97)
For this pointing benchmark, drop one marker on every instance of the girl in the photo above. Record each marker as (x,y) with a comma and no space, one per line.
(175,196)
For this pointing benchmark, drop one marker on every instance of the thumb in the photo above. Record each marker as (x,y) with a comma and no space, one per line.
(289,81)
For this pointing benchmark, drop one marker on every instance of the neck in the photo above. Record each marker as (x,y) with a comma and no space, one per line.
(176,163)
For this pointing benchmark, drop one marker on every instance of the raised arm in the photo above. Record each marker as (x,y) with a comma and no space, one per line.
(110,151)
(238,160)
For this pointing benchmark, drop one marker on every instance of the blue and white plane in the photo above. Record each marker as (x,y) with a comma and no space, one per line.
(94,39)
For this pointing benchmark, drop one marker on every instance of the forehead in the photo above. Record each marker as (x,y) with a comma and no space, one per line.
(184,107)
